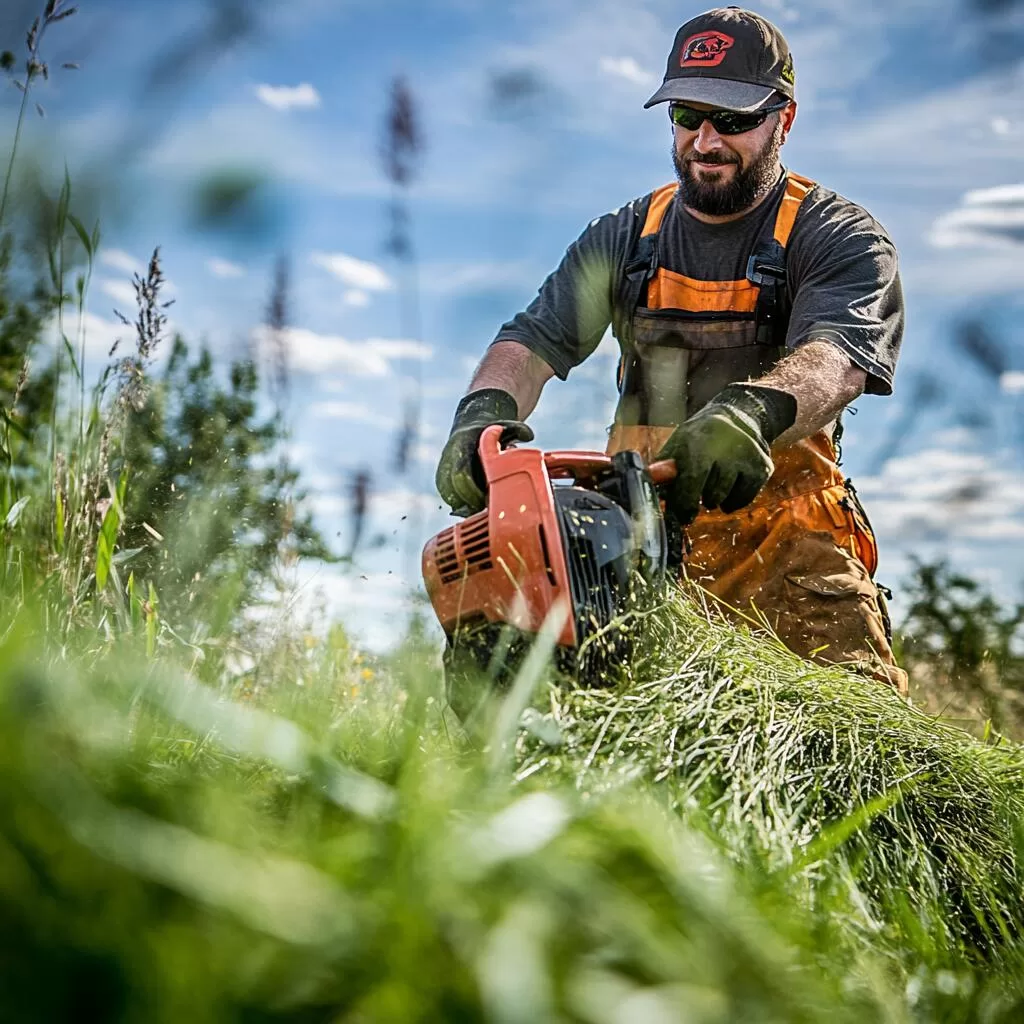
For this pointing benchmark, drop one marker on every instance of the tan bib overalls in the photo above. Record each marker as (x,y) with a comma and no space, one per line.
(801,557)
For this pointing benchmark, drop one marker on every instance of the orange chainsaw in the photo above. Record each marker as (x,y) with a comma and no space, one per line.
(571,535)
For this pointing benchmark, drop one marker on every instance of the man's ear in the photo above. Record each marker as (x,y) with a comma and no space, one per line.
(786,118)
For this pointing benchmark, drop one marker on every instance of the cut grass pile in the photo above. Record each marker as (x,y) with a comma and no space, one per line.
(730,835)
(787,761)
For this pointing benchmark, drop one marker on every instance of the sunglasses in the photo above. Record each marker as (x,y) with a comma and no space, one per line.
(725,122)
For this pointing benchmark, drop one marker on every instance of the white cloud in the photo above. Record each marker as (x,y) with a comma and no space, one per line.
(224,268)
(961,438)
(447,389)
(627,68)
(427,454)
(121,260)
(288,149)
(354,297)
(400,348)
(373,357)
(936,140)
(990,218)
(301,453)
(374,605)
(1000,195)
(358,274)
(390,515)
(355,412)
(122,292)
(482,275)
(947,493)
(390,507)
(289,97)
(1012,382)
(102,334)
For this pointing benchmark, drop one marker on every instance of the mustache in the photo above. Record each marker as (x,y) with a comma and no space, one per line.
(718,159)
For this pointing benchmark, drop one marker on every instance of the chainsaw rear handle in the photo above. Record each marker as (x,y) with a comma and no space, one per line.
(572,465)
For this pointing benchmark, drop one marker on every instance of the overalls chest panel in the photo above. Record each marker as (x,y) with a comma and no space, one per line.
(688,338)
(691,338)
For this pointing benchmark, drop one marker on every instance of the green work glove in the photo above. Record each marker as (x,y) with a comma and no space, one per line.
(460,475)
(722,452)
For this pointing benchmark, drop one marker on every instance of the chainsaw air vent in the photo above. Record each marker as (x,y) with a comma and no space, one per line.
(475,541)
(444,556)
(463,550)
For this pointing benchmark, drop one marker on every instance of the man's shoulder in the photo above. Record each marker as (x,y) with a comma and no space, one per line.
(829,212)
(616,232)
(627,214)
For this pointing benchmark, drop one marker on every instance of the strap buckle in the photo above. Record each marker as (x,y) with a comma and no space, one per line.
(762,271)
(645,258)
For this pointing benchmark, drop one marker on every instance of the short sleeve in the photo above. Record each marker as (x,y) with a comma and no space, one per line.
(845,287)
(572,310)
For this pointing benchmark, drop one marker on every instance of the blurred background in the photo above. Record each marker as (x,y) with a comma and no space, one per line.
(354,196)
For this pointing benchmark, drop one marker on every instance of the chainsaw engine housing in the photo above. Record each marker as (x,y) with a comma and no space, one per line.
(566,534)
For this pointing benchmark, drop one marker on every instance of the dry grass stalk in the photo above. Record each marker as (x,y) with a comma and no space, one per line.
(19,387)
(35,67)
(277,336)
(149,324)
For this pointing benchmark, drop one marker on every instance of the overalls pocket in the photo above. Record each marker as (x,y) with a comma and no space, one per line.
(853,531)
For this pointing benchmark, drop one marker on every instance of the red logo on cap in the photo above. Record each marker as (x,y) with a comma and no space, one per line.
(705,49)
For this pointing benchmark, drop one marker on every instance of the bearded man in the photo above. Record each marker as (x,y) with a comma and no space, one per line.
(751,306)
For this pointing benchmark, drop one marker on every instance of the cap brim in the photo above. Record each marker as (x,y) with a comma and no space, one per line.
(719,92)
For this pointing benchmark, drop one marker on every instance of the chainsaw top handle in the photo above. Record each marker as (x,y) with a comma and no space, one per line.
(573,465)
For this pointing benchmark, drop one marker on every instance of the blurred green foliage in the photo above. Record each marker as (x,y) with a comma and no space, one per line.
(959,641)
(22,320)
(327,845)
(208,477)
(953,619)
(239,204)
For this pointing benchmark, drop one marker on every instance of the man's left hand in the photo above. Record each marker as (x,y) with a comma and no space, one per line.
(722,452)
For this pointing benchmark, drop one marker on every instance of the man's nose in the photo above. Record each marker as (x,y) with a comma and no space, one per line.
(707,139)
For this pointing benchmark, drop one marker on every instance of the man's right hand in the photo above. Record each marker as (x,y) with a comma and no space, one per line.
(460,478)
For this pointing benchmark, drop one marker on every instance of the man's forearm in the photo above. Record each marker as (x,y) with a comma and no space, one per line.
(515,369)
(822,380)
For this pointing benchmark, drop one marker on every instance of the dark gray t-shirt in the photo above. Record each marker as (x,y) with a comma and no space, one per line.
(842,279)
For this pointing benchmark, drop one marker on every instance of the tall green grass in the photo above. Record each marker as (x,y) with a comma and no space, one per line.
(728,835)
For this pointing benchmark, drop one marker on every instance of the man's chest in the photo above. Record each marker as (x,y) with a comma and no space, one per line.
(711,252)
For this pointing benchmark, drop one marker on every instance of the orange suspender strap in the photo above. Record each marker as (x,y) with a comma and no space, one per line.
(797,188)
(660,198)
(675,290)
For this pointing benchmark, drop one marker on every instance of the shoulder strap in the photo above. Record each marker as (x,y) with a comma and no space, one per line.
(767,265)
(640,265)
(637,267)
(660,198)
(797,189)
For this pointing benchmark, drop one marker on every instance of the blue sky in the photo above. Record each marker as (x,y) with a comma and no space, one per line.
(914,110)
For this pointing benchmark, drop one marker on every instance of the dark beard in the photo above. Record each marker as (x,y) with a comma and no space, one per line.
(747,186)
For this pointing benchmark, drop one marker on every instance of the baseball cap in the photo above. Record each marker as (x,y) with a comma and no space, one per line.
(728,57)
